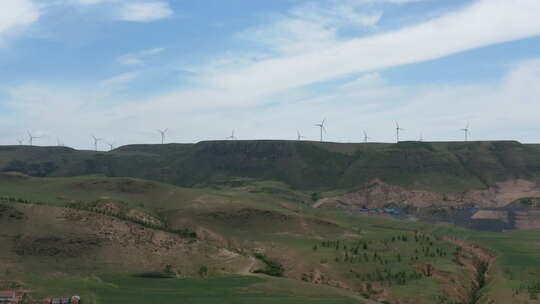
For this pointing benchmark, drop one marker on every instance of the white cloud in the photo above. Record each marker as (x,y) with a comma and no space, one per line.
(310,27)
(505,109)
(146,11)
(389,1)
(336,15)
(138,58)
(371,80)
(134,10)
(119,82)
(92,2)
(378,2)
(241,84)
(16,14)
(293,36)
(483,23)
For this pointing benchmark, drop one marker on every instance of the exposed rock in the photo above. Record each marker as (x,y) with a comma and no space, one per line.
(378,194)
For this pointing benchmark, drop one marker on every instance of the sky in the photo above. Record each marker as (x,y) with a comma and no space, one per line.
(122,69)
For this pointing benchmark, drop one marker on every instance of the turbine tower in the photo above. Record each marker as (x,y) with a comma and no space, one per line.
(111,146)
(59,142)
(366,137)
(96,141)
(398,128)
(163,132)
(232,137)
(467,131)
(31,138)
(300,136)
(421,138)
(323,128)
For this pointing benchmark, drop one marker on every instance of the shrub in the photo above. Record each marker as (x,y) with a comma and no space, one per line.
(272,268)
(154,275)
(203,270)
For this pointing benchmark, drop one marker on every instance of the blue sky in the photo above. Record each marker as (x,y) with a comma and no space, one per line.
(120,69)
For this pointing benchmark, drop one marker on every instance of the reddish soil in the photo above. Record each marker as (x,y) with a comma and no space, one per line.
(377,194)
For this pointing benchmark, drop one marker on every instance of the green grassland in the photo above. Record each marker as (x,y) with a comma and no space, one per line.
(327,256)
(310,166)
(125,288)
(514,275)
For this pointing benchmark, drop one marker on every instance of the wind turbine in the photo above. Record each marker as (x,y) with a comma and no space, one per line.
(366,137)
(398,128)
(31,138)
(232,137)
(421,138)
(467,131)
(96,141)
(111,146)
(163,132)
(299,135)
(59,142)
(323,128)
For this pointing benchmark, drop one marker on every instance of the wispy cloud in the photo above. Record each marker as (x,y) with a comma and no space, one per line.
(134,10)
(486,22)
(16,14)
(300,50)
(138,58)
(146,11)
(119,82)
(92,2)
(505,109)
(388,1)
(311,27)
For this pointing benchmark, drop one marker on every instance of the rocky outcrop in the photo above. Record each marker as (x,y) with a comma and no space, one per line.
(378,194)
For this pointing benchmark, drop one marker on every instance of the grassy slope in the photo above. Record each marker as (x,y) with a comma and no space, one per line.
(440,166)
(69,279)
(288,233)
(517,261)
(122,288)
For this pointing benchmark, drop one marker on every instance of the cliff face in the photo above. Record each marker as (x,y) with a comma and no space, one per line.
(378,194)
(438,167)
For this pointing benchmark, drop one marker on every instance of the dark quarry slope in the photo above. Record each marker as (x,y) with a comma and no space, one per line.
(440,166)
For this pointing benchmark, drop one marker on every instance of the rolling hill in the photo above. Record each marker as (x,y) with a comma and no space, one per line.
(270,222)
(109,239)
(446,167)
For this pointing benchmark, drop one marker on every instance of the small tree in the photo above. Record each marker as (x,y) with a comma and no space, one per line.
(168,270)
(203,271)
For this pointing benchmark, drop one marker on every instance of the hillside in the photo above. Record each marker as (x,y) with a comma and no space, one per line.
(445,167)
(108,238)
(107,224)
